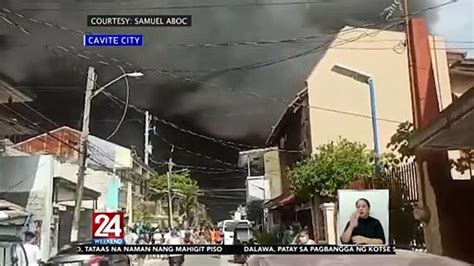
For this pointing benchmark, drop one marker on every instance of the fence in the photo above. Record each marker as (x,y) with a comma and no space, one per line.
(402,181)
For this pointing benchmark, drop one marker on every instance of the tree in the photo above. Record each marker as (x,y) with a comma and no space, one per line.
(399,144)
(144,212)
(333,167)
(184,185)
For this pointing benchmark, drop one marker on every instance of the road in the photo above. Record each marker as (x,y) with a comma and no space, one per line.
(198,260)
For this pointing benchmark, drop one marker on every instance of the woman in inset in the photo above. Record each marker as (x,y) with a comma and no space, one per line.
(363,229)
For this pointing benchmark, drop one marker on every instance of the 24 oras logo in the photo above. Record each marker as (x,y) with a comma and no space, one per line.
(108,227)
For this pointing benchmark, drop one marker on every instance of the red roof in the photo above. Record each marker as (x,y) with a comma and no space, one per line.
(280,201)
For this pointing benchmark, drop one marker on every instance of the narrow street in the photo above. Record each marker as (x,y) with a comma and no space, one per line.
(205,260)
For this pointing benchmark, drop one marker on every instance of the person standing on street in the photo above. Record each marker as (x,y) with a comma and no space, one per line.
(32,254)
(167,235)
(217,236)
(175,259)
(131,237)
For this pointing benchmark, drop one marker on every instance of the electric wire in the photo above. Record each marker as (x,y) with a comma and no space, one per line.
(127,101)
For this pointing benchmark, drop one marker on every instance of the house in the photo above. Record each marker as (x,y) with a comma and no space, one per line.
(134,186)
(448,206)
(36,184)
(333,105)
(118,176)
(104,156)
(14,220)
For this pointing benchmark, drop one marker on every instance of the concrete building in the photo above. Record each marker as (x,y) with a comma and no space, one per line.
(134,186)
(105,158)
(447,205)
(34,182)
(118,177)
(332,105)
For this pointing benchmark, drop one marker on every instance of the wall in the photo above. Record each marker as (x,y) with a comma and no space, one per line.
(27,181)
(342,94)
(273,172)
(460,83)
(99,181)
(294,144)
(257,188)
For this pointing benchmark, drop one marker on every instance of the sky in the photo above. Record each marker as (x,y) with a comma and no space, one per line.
(226,106)
(456,23)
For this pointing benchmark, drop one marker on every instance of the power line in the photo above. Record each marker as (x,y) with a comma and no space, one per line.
(127,101)
(90,145)
(43,131)
(183,6)
(196,153)
(214,86)
(211,85)
(260,43)
(226,143)
(76,31)
(193,167)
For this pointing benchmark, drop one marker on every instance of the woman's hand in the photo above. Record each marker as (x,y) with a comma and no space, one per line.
(354,220)
(358,240)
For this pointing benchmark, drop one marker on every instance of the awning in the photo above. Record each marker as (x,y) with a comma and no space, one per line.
(64,190)
(452,130)
(280,201)
(10,210)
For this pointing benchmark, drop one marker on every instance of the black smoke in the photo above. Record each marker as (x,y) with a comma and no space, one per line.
(56,77)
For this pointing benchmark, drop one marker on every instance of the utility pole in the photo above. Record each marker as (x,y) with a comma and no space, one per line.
(170,199)
(148,147)
(91,77)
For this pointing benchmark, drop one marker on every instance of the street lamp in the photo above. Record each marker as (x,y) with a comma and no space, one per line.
(132,75)
(366,79)
(90,93)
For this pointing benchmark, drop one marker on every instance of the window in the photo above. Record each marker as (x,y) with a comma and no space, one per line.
(257,166)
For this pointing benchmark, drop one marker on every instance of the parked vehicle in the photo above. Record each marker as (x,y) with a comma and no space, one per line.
(228,228)
(68,256)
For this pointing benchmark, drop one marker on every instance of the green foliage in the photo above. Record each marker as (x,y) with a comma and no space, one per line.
(389,161)
(144,212)
(464,162)
(399,142)
(268,238)
(181,182)
(333,167)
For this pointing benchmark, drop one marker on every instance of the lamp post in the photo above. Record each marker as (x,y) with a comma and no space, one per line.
(366,79)
(90,93)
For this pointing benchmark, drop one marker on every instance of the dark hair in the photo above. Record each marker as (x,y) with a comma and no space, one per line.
(366,201)
(29,236)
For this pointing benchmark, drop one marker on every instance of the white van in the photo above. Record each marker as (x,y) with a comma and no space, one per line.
(228,227)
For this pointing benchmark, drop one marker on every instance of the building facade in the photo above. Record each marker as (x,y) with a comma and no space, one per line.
(35,183)
(334,105)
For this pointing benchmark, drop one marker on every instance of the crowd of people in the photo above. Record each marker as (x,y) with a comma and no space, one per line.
(150,235)
(140,234)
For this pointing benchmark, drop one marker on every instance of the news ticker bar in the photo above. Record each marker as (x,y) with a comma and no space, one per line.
(139,21)
(235,249)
